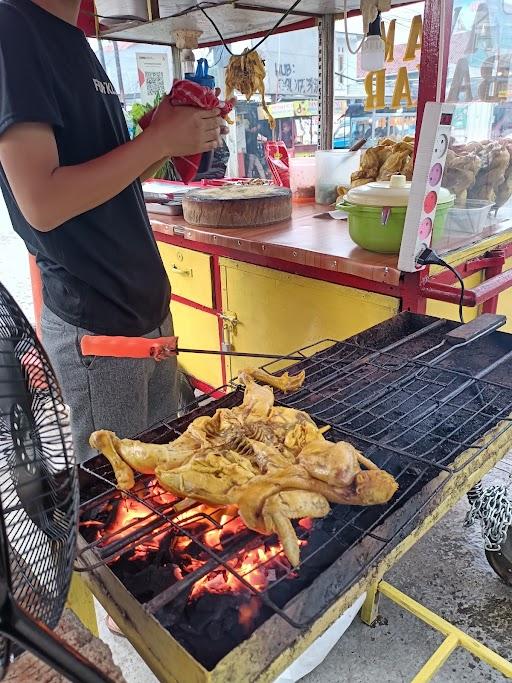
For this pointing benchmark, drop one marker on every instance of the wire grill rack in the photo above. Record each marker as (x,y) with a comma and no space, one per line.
(412,417)
(416,408)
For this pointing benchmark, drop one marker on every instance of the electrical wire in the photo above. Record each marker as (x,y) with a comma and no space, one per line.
(462,290)
(212,66)
(345,18)
(429,257)
(261,41)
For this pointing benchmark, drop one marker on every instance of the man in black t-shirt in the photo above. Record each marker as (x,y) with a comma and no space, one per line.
(70,174)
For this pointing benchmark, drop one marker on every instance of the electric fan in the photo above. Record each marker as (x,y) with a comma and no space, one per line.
(38,501)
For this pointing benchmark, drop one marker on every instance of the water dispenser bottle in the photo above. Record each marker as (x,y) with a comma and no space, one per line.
(202,77)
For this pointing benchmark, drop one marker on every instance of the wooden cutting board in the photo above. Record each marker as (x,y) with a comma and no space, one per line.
(237,206)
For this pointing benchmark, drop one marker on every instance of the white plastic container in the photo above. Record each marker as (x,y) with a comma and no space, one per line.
(302,178)
(111,11)
(471,218)
(333,169)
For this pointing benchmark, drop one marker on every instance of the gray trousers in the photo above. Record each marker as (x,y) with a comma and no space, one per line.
(124,395)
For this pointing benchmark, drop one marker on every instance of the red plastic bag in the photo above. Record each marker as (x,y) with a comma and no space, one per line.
(276,155)
(189,94)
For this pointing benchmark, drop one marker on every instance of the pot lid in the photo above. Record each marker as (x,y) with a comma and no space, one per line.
(393,192)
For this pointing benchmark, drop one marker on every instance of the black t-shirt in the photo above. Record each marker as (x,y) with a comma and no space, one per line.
(101,270)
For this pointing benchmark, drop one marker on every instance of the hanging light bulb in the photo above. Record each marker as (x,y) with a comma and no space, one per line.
(373,48)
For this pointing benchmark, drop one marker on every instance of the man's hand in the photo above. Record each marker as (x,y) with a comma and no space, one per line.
(47,193)
(183,131)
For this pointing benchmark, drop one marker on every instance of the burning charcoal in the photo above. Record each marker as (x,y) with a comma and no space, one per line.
(149,582)
(207,603)
(230,620)
(215,630)
(207,609)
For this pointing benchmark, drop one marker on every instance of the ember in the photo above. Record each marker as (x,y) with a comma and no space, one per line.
(178,542)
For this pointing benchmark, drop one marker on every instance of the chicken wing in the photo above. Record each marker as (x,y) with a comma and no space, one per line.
(284,382)
(281,508)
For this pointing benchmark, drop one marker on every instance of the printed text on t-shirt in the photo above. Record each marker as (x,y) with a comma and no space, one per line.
(104,87)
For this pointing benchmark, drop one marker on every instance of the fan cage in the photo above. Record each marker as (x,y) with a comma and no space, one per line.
(38,481)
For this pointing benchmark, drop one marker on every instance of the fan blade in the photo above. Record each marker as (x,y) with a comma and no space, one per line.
(35,637)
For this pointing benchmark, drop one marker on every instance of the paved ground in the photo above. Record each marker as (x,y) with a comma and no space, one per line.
(447,571)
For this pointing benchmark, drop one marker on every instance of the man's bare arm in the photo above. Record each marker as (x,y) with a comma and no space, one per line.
(49,194)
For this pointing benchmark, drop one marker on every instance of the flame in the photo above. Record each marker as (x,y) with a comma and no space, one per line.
(258,567)
(128,511)
(255,568)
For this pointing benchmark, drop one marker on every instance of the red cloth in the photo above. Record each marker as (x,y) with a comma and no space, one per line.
(190,94)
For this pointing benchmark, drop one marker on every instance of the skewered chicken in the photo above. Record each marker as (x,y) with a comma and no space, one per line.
(397,162)
(272,462)
(494,158)
(504,191)
(480,170)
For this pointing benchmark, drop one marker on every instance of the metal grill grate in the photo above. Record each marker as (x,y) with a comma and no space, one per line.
(341,531)
(412,416)
(416,408)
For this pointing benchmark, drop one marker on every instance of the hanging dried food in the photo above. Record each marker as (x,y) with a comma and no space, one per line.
(246,73)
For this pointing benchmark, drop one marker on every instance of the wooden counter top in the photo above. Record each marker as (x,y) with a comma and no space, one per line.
(310,238)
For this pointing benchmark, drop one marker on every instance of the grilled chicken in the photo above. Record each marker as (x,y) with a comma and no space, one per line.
(271,462)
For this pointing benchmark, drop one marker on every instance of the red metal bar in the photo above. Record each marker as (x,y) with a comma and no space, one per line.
(313,272)
(205,388)
(429,64)
(491,305)
(411,297)
(296,26)
(216,275)
(192,304)
(472,297)
(492,261)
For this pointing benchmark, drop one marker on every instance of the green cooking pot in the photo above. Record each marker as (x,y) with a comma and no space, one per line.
(380,228)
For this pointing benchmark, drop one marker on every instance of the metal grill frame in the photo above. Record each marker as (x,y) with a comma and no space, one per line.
(327,363)
(238,545)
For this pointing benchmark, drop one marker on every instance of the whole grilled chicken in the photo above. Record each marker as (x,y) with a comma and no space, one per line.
(272,462)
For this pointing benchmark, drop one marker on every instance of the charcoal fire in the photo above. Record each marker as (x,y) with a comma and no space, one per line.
(157,554)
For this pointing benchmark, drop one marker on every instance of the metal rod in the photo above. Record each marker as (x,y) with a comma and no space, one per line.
(171,593)
(119,73)
(241,354)
(277,10)
(38,639)
(326,34)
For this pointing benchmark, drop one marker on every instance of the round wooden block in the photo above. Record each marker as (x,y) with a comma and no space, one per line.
(237,206)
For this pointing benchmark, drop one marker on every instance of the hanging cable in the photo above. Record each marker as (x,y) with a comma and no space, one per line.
(261,41)
(209,5)
(345,18)
(429,257)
